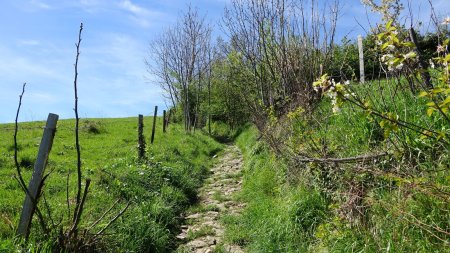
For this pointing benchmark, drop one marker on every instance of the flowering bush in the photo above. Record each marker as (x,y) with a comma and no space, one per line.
(399,55)
(439,96)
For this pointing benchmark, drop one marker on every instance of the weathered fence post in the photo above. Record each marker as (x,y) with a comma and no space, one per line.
(154,124)
(141,140)
(164,121)
(361,59)
(35,184)
(168,117)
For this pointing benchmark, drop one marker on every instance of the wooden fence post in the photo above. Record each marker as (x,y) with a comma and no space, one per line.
(164,121)
(361,59)
(168,117)
(141,140)
(35,184)
(154,124)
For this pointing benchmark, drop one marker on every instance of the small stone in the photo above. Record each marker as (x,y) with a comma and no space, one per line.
(197,244)
(194,216)
(181,236)
(212,213)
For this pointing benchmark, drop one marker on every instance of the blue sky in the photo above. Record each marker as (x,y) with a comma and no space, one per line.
(37,46)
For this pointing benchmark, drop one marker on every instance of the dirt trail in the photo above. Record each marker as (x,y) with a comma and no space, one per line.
(203,231)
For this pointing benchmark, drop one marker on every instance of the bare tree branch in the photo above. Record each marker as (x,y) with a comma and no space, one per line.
(77,122)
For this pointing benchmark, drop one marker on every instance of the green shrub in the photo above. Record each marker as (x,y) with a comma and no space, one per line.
(93,127)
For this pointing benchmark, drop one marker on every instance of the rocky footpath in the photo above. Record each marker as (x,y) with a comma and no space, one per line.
(203,232)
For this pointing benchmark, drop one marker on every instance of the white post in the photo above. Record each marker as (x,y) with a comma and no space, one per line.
(361,58)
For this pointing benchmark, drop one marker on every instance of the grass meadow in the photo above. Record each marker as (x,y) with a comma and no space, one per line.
(159,188)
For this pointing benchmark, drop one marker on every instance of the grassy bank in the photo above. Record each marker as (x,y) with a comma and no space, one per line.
(298,207)
(278,217)
(159,189)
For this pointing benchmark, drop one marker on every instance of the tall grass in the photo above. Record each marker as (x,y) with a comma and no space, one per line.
(278,217)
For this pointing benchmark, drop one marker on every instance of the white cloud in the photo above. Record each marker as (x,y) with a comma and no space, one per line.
(35,6)
(26,42)
(40,4)
(14,65)
(43,97)
(133,8)
(142,16)
(93,6)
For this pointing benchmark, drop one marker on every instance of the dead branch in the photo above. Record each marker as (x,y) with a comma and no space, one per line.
(16,130)
(417,222)
(48,210)
(77,122)
(103,215)
(80,208)
(113,220)
(363,158)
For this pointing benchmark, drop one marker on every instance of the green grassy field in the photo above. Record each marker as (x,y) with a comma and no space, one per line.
(159,189)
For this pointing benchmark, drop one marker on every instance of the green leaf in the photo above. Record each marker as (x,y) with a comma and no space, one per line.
(446,101)
(423,94)
(441,135)
(447,58)
(438,90)
(409,44)
(389,24)
(384,46)
(430,111)
(395,128)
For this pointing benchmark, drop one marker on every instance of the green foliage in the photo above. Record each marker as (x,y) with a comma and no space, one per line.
(222,132)
(345,64)
(159,189)
(228,91)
